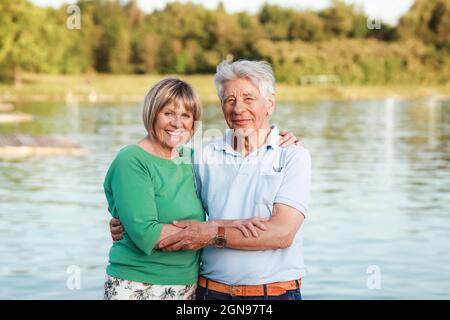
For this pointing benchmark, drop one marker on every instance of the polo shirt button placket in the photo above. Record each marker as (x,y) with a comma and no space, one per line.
(244,167)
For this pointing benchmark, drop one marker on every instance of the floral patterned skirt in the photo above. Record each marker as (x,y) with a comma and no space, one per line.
(120,289)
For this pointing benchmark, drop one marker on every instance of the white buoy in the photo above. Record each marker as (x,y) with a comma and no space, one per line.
(92,98)
(14,117)
(6,107)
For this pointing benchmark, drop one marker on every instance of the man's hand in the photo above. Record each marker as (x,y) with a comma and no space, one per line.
(246,226)
(116,229)
(287,138)
(281,230)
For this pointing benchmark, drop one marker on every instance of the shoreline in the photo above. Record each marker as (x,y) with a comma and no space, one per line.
(100,88)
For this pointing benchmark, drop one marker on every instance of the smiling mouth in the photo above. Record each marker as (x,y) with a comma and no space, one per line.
(175,133)
(240,120)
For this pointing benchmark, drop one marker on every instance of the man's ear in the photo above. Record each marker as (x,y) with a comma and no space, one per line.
(271,104)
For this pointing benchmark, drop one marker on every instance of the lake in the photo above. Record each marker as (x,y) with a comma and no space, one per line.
(379,221)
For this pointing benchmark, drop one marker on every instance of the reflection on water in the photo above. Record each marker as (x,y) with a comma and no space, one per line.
(381,186)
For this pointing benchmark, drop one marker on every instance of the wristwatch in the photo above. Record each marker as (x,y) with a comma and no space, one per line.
(220,241)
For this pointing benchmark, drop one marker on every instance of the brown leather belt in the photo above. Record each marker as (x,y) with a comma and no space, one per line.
(273,289)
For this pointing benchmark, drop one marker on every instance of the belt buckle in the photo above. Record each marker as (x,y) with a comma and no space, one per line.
(234,290)
(231,291)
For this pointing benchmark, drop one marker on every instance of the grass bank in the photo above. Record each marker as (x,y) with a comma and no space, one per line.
(132,88)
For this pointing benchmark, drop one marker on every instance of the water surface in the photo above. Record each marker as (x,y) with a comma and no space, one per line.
(380,199)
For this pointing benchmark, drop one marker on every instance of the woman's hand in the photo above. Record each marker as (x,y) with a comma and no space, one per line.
(193,236)
(246,226)
(287,138)
(116,229)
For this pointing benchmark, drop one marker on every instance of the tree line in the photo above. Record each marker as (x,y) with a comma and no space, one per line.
(118,37)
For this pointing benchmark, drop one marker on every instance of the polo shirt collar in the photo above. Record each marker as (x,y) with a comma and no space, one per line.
(273,138)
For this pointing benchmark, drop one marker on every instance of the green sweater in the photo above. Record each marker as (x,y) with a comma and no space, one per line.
(145,192)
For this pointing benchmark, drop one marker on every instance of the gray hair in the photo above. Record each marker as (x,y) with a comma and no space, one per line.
(260,73)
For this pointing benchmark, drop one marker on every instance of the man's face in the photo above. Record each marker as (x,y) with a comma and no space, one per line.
(244,109)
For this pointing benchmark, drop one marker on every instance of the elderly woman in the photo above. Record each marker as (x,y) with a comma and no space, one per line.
(150,185)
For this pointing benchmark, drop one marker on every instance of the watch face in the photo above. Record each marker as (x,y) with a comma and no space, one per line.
(220,242)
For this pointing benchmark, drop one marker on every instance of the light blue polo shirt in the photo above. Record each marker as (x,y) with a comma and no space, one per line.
(235,187)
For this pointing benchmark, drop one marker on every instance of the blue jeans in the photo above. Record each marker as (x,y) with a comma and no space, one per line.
(207,294)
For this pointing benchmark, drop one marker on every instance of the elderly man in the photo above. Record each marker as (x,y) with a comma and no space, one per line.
(248,175)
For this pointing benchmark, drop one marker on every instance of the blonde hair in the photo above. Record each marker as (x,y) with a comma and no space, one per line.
(166,91)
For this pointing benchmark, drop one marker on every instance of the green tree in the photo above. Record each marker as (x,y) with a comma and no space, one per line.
(428,20)
(307,26)
(112,50)
(21,44)
(343,20)
(145,53)
(276,21)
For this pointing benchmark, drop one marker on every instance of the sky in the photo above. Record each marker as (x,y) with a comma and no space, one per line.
(387,10)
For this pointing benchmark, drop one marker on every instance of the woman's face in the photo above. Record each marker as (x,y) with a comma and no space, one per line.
(174,126)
